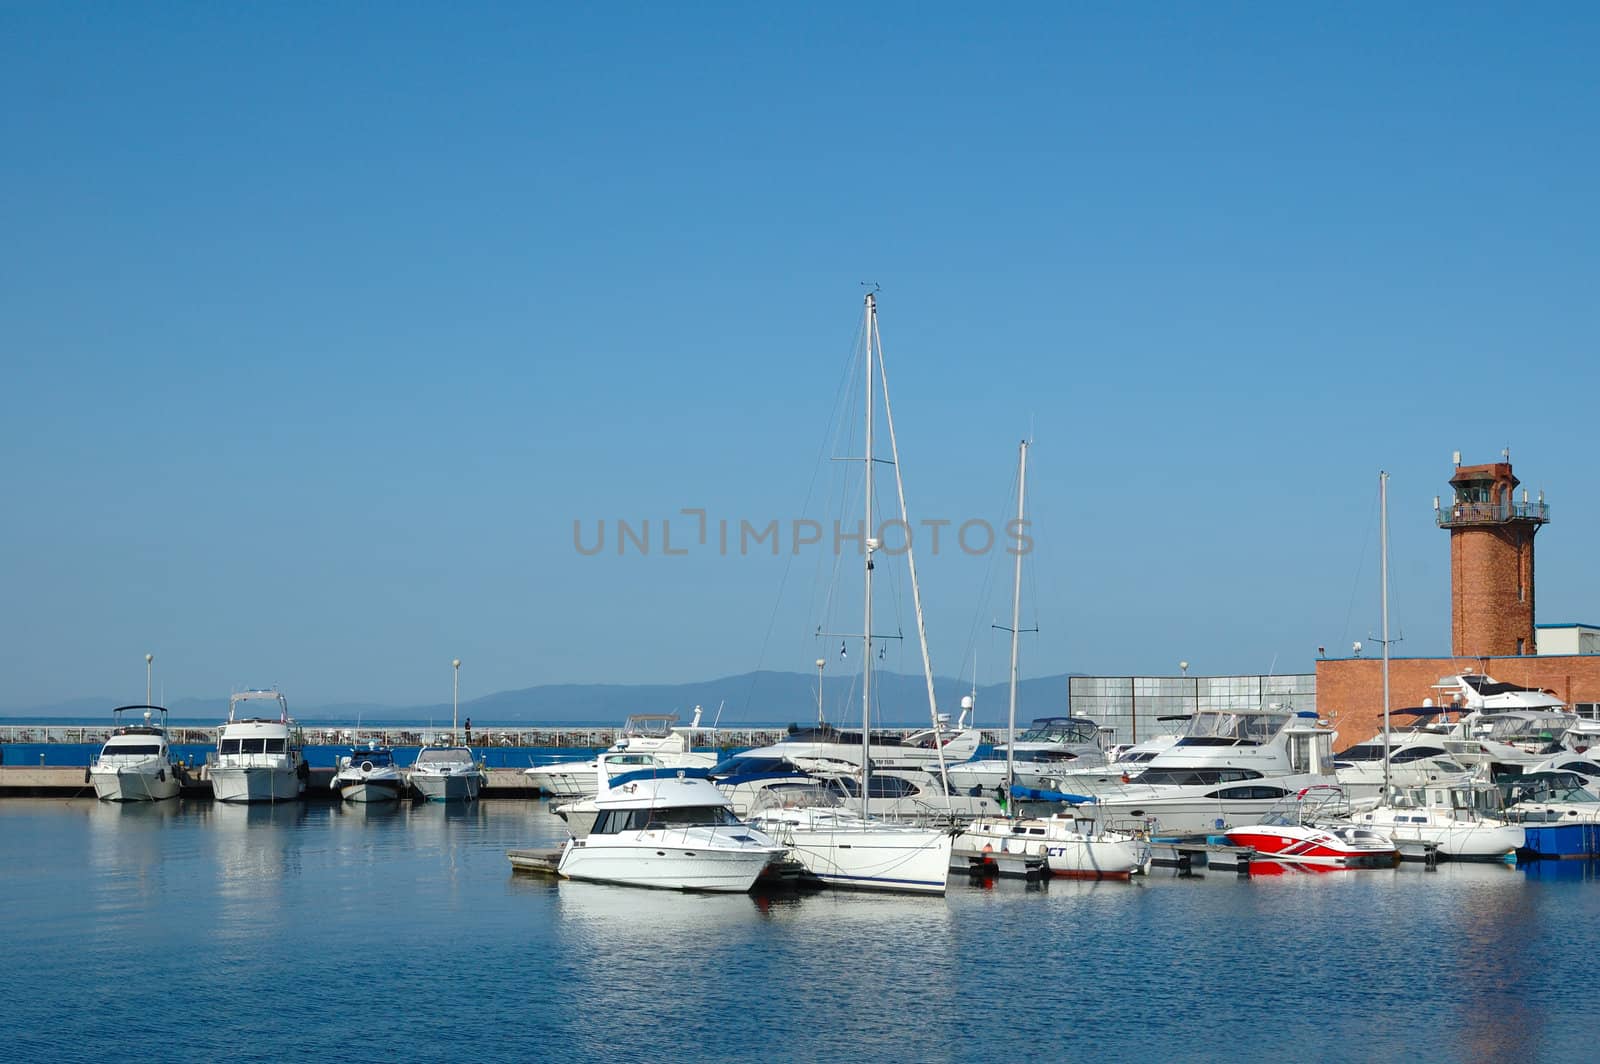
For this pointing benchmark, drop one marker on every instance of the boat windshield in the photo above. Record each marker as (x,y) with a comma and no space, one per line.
(1233,727)
(649,725)
(250,746)
(1545,728)
(449,756)
(1562,787)
(1194,777)
(377,758)
(752,766)
(1060,730)
(116,749)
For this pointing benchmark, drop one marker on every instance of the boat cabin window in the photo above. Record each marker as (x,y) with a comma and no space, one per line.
(1588,768)
(228,746)
(1060,730)
(1256,793)
(142,748)
(252,746)
(1415,753)
(752,766)
(1194,777)
(1363,752)
(691,815)
(275,746)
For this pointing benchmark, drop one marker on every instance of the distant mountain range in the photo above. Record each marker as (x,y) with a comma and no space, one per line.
(752,698)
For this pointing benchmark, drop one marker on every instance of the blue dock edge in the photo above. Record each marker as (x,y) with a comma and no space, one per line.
(1562,840)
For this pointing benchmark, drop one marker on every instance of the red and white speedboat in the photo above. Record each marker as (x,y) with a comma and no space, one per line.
(1302,831)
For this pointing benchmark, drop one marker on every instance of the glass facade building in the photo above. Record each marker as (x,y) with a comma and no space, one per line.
(1134,706)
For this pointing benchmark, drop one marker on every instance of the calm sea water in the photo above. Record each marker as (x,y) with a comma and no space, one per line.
(192,931)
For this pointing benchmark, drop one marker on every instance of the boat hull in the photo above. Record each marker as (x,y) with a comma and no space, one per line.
(1068,853)
(255,783)
(662,866)
(387,789)
(1316,847)
(153,783)
(456,787)
(870,856)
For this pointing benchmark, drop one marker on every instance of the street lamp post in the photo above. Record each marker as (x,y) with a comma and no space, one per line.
(455,695)
(148,658)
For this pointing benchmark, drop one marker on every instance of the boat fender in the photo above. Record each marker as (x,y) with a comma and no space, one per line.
(161,775)
(1044,849)
(85,774)
(303,770)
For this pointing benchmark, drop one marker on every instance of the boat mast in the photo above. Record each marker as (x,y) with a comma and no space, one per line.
(870,546)
(911,565)
(1016,626)
(1383,568)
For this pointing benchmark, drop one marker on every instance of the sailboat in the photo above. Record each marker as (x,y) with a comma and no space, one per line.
(1440,813)
(1071,845)
(852,850)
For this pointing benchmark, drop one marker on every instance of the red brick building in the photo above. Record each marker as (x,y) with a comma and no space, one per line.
(1491,613)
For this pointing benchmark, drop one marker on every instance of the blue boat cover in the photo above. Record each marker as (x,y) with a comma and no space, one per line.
(1034,794)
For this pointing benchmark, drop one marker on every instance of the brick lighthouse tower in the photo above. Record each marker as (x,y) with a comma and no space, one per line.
(1491,560)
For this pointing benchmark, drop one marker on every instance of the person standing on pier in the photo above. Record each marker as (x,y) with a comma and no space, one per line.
(467,728)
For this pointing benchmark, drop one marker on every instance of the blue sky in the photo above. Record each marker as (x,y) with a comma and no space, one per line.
(324,323)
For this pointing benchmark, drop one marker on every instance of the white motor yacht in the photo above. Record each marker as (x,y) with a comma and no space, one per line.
(1230,767)
(136,762)
(446,774)
(1549,798)
(257,759)
(1448,816)
(369,774)
(823,744)
(1416,759)
(651,740)
(670,832)
(1051,746)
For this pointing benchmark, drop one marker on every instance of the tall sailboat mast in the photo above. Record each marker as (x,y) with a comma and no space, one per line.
(1016,626)
(871,545)
(1383,568)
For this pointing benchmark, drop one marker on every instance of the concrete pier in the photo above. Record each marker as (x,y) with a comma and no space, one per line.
(72,781)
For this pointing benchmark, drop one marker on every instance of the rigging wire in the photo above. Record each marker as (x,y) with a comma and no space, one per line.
(789,561)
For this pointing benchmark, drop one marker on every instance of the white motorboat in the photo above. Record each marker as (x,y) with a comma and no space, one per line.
(1549,798)
(446,774)
(669,832)
(1230,767)
(1416,759)
(1050,747)
(823,744)
(369,774)
(1511,741)
(1072,847)
(1307,828)
(649,740)
(257,759)
(136,762)
(1448,817)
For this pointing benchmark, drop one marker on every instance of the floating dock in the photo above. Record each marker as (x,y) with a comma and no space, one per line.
(1192,856)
